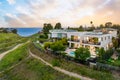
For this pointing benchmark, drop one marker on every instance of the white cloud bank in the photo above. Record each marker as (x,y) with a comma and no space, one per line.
(68,12)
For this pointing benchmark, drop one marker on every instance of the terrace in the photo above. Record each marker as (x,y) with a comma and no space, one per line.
(74,39)
(91,40)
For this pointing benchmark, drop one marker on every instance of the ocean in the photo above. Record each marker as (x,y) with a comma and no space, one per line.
(25,32)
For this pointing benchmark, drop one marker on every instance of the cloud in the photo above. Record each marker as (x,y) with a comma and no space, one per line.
(14,20)
(11,2)
(15,17)
(68,12)
(3,23)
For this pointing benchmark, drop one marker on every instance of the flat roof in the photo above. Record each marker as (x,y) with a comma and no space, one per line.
(96,34)
(61,30)
(74,32)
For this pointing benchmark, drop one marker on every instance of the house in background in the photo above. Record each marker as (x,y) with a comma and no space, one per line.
(91,40)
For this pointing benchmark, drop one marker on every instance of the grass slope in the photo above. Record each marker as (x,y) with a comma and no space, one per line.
(14,57)
(33,69)
(9,40)
(28,69)
(71,66)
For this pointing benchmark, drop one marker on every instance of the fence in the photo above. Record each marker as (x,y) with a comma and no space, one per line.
(107,67)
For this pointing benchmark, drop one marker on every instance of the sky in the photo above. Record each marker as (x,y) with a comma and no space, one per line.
(73,13)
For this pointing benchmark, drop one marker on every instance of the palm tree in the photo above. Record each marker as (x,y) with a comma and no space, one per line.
(91,22)
(92,25)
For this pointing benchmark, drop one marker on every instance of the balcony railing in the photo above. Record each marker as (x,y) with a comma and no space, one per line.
(74,40)
(92,43)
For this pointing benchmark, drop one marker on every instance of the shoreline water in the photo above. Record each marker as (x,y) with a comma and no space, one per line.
(25,32)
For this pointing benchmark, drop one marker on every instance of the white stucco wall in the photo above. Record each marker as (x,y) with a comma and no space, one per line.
(83,35)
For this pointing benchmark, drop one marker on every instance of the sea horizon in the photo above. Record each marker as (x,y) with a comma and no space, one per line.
(25,32)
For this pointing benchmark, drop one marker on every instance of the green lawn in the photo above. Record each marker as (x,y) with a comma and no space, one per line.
(74,67)
(33,69)
(9,40)
(14,57)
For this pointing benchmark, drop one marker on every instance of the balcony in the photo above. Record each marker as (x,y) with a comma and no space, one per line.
(92,43)
(74,40)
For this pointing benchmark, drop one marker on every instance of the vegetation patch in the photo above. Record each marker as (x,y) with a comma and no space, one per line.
(82,54)
(14,57)
(33,69)
(56,62)
(74,67)
(9,40)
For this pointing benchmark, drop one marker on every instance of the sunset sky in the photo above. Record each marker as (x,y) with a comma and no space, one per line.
(33,13)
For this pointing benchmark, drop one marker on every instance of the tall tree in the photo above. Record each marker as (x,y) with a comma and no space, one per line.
(91,22)
(92,25)
(58,26)
(46,28)
(49,26)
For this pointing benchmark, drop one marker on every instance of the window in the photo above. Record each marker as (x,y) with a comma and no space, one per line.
(101,39)
(105,38)
(108,37)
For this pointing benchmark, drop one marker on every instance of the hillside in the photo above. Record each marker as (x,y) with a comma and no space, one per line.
(9,40)
(18,65)
(33,69)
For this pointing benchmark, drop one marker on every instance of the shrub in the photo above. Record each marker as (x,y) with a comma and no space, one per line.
(44,36)
(58,46)
(47,45)
(42,40)
(55,62)
(63,54)
(82,53)
(64,41)
(101,53)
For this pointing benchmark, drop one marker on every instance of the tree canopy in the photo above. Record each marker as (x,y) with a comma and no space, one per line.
(58,26)
(47,45)
(82,53)
(58,46)
(8,30)
(64,41)
(46,28)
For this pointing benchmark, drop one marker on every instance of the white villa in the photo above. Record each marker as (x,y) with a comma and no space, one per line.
(91,40)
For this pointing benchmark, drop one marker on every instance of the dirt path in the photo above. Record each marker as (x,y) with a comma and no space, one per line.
(4,53)
(59,69)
